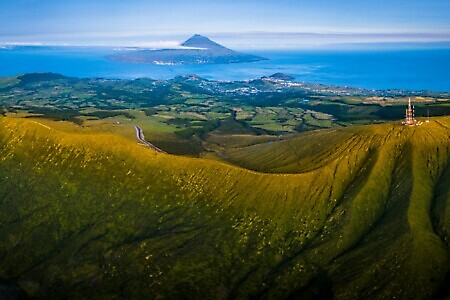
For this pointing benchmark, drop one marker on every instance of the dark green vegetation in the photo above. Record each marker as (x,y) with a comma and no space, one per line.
(191,115)
(196,50)
(357,212)
(298,196)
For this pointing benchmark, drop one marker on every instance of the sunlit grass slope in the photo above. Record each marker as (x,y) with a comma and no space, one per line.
(364,212)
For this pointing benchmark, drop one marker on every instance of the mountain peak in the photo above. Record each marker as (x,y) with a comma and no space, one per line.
(198,50)
(200,41)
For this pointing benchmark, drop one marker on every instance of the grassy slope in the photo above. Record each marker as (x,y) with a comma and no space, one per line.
(364,213)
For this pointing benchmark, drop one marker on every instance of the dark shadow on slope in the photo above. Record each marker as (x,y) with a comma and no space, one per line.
(378,249)
(443,291)
(320,283)
(10,290)
(438,207)
(319,287)
(438,220)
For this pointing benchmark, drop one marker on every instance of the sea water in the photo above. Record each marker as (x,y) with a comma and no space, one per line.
(424,69)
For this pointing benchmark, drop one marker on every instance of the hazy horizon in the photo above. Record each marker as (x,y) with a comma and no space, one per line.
(258,41)
(247,24)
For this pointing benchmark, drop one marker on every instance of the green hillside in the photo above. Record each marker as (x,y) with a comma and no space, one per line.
(358,212)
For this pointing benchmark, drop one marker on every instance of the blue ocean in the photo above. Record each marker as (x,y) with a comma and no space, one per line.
(424,69)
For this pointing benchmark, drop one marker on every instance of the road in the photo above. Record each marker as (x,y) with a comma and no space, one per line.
(141,138)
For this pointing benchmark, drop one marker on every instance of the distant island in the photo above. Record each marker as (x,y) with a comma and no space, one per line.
(281,76)
(196,50)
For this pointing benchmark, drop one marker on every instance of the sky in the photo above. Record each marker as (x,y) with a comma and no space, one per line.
(244,23)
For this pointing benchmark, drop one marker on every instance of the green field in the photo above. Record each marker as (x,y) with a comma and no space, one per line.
(356,212)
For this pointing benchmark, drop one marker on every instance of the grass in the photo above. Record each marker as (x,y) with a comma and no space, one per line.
(349,212)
